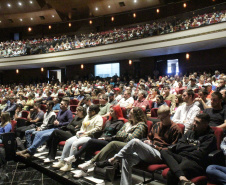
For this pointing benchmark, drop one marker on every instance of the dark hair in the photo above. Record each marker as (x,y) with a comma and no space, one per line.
(94,108)
(204,117)
(190,92)
(157,90)
(139,115)
(51,103)
(167,87)
(104,96)
(37,105)
(218,94)
(161,98)
(19,105)
(204,91)
(83,109)
(180,100)
(66,101)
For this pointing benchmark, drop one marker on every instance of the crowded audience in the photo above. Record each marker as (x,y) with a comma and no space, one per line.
(79,110)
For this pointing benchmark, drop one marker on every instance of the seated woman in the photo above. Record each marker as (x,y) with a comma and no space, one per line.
(18,112)
(159,101)
(5,124)
(135,128)
(90,125)
(113,125)
(62,135)
(178,102)
(153,94)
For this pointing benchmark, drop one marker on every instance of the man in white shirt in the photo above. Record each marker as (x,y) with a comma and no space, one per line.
(185,114)
(127,101)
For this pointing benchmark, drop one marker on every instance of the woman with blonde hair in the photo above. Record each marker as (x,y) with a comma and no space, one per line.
(5,124)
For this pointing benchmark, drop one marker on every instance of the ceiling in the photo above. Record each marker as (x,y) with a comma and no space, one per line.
(65,10)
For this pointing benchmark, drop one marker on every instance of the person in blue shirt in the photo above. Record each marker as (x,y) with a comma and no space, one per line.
(56,106)
(5,124)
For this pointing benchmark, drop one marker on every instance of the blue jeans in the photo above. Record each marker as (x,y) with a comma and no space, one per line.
(217,173)
(28,134)
(40,138)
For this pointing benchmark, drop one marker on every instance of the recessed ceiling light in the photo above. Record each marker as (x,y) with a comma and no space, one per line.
(31,18)
(134,1)
(21,19)
(96,9)
(109,6)
(19,3)
(31,2)
(9,5)
(53,16)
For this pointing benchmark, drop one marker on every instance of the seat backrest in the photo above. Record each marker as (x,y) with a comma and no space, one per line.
(150,104)
(73,102)
(43,107)
(168,102)
(182,127)
(104,122)
(25,113)
(13,123)
(149,124)
(124,112)
(154,112)
(96,101)
(73,108)
(219,133)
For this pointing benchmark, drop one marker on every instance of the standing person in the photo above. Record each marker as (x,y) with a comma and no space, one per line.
(191,152)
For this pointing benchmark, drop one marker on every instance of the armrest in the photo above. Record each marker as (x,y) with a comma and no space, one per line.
(216,157)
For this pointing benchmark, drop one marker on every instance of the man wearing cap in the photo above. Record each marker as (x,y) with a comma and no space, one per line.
(118,95)
(112,99)
(193,84)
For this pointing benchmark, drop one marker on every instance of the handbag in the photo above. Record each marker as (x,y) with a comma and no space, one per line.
(106,173)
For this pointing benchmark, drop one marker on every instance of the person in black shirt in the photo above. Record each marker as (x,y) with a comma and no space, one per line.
(217,113)
(189,159)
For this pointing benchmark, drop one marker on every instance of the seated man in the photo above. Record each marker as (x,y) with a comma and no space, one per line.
(104,105)
(49,118)
(56,107)
(63,118)
(185,114)
(141,101)
(190,156)
(201,101)
(34,118)
(217,113)
(169,96)
(193,84)
(127,101)
(163,134)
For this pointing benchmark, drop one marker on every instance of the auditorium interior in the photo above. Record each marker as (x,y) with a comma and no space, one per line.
(48,44)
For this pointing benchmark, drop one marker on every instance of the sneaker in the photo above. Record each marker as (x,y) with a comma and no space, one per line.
(66,167)
(41,149)
(80,173)
(59,164)
(48,160)
(183,182)
(103,164)
(86,165)
(70,159)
